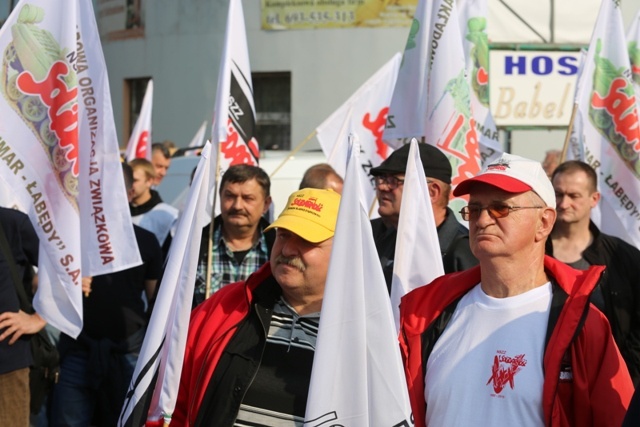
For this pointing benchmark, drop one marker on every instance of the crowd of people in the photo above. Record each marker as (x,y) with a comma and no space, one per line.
(536,321)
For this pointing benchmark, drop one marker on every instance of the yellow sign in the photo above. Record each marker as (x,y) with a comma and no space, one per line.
(309,14)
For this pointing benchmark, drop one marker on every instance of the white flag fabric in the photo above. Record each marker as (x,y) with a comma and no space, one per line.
(473,23)
(575,146)
(608,111)
(431,100)
(139,146)
(450,125)
(60,152)
(417,239)
(154,387)
(357,377)
(408,110)
(234,119)
(363,114)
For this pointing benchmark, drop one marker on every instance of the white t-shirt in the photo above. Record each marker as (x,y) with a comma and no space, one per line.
(486,367)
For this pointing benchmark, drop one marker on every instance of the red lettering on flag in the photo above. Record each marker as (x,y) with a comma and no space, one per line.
(141,146)
(235,149)
(377,128)
(622,109)
(469,164)
(62,107)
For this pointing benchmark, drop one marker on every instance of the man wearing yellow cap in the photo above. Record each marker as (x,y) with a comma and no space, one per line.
(250,346)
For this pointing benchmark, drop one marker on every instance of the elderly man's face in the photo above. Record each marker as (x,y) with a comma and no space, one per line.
(242,204)
(300,266)
(389,193)
(510,236)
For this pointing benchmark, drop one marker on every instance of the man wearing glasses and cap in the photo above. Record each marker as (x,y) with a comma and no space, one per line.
(453,237)
(250,346)
(515,340)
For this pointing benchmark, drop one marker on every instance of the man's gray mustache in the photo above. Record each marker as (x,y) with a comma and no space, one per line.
(293,261)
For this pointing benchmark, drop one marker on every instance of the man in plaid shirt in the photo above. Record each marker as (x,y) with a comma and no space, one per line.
(239,245)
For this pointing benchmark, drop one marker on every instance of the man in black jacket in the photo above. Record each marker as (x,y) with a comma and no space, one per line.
(576,241)
(453,237)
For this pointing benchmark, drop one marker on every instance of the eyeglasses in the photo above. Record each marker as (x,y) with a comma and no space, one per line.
(391,181)
(495,210)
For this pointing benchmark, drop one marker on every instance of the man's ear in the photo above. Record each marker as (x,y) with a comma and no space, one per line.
(267,203)
(547,220)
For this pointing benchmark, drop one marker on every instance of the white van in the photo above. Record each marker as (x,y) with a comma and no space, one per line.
(284,169)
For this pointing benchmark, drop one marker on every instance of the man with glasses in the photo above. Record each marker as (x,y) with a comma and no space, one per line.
(514,339)
(453,237)
(576,241)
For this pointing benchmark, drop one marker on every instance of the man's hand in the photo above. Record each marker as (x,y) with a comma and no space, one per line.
(15,325)
(86,285)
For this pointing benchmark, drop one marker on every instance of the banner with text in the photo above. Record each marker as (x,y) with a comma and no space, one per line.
(532,88)
(311,14)
(60,153)
(608,113)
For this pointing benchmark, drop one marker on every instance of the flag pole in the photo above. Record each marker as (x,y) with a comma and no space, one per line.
(293,152)
(567,138)
(207,283)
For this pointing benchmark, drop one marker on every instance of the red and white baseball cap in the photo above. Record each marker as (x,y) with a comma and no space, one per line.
(513,174)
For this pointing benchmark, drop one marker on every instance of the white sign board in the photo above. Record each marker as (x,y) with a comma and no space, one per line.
(532,88)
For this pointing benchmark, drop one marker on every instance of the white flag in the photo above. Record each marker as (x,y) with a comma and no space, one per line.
(408,110)
(417,239)
(607,108)
(473,23)
(575,147)
(234,119)
(450,125)
(154,387)
(60,152)
(431,100)
(364,114)
(139,146)
(357,377)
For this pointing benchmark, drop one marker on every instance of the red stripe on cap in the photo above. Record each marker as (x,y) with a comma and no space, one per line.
(503,182)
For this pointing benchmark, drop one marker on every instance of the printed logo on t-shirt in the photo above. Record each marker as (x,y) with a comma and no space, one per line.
(504,370)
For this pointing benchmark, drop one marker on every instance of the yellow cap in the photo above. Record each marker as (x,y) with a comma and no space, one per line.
(310,213)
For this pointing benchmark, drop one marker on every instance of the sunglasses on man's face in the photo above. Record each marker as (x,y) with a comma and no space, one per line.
(495,210)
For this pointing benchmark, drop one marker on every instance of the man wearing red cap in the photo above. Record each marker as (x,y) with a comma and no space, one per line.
(250,346)
(515,340)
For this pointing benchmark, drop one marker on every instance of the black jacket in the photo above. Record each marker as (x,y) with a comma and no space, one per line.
(240,361)
(620,287)
(453,238)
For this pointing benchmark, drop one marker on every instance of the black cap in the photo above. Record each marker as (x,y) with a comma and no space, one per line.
(435,163)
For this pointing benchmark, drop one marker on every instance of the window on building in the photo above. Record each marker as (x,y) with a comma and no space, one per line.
(134,90)
(6,6)
(272,98)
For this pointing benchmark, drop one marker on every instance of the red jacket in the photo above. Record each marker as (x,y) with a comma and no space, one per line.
(213,323)
(601,388)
